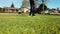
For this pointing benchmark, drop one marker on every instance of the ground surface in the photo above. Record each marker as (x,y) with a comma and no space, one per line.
(22,24)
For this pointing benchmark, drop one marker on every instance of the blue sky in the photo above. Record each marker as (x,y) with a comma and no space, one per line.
(53,3)
(8,3)
(18,3)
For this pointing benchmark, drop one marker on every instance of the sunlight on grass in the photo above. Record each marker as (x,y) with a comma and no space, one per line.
(22,24)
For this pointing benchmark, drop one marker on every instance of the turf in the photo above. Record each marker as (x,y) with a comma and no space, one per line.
(23,24)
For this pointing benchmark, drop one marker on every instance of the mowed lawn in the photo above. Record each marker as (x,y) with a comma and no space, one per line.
(22,24)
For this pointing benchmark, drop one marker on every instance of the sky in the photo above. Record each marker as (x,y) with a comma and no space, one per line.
(18,3)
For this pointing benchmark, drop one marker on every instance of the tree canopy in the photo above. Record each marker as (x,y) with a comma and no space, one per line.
(40,8)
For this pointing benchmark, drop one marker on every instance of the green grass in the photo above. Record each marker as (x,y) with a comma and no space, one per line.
(22,24)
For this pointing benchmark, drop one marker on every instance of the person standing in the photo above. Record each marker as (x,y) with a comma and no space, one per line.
(32,8)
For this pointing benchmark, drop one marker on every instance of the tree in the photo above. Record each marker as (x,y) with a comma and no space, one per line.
(43,3)
(41,8)
(0,9)
(25,3)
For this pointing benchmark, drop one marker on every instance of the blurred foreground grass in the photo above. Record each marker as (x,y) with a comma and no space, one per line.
(22,24)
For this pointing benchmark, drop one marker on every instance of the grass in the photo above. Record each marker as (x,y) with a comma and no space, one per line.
(22,24)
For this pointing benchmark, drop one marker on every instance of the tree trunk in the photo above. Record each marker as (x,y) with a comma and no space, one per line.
(43,10)
(43,7)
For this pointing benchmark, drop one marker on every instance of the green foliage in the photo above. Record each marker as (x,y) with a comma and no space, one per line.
(0,8)
(41,7)
(22,24)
